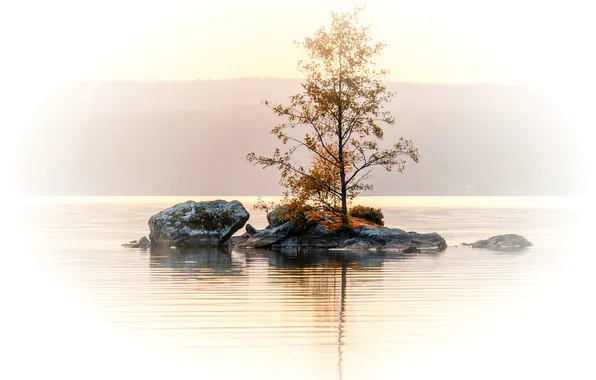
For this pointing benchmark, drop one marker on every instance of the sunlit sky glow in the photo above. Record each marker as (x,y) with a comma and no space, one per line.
(514,42)
(461,41)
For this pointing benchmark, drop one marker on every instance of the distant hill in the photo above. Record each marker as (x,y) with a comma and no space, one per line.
(190,138)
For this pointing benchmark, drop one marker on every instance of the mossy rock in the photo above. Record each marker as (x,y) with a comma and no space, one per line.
(197,224)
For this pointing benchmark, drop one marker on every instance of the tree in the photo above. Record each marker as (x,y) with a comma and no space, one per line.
(336,119)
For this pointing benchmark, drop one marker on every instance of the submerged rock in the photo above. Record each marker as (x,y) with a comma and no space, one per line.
(197,224)
(141,243)
(509,241)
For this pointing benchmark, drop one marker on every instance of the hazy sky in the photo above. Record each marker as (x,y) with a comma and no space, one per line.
(545,44)
(461,41)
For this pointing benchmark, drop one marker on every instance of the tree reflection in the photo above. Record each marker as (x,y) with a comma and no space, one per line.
(321,278)
(340,324)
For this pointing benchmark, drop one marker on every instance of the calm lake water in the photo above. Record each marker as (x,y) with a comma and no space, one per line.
(84,307)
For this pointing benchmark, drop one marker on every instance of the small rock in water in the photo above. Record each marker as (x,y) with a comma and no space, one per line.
(144,242)
(141,243)
(508,241)
(130,244)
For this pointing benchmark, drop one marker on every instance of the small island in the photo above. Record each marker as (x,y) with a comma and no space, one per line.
(303,229)
(213,224)
(307,230)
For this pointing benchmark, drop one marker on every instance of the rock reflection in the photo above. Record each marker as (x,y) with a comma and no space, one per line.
(322,258)
(288,262)
(216,261)
(314,300)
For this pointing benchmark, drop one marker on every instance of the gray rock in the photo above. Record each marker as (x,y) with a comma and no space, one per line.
(197,224)
(273,217)
(144,242)
(250,230)
(399,240)
(285,237)
(141,243)
(508,241)
(266,237)
(380,232)
(320,230)
(308,242)
(131,244)
(379,239)
(411,249)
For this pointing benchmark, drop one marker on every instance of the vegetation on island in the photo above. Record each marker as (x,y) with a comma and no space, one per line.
(338,121)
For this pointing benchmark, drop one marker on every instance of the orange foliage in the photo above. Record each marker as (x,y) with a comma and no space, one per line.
(332,222)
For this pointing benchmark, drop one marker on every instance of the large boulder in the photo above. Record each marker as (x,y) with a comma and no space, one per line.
(508,241)
(197,224)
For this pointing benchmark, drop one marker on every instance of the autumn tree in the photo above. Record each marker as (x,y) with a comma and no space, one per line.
(337,119)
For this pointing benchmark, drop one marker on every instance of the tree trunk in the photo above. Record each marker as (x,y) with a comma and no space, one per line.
(345,221)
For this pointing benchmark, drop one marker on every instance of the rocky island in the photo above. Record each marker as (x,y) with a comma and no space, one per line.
(213,224)
(293,235)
